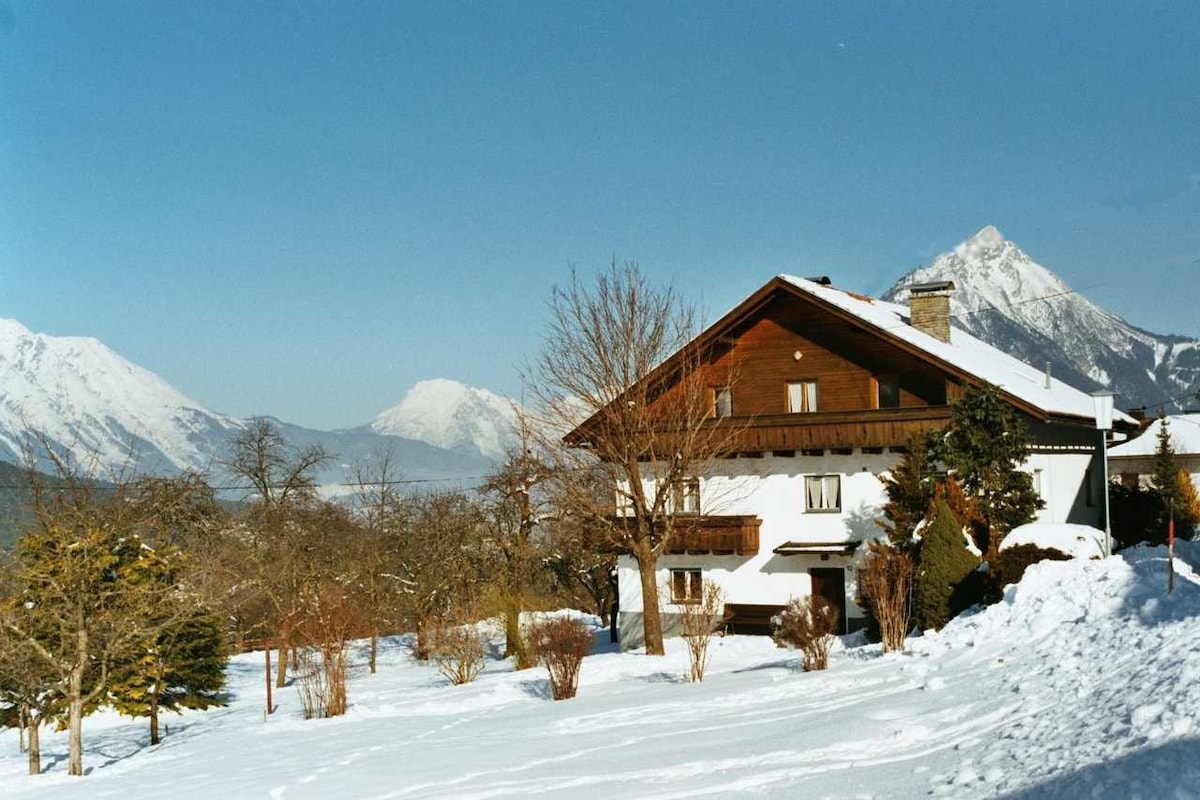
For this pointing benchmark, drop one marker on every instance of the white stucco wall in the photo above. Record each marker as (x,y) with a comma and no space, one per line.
(772,488)
(1063,477)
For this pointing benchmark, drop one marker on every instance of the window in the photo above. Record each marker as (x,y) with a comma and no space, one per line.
(685,496)
(686,586)
(823,493)
(802,397)
(1037,484)
(722,402)
(887,392)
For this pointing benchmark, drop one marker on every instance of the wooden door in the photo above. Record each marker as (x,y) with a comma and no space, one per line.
(830,583)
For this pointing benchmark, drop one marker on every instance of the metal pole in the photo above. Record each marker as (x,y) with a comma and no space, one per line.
(1107,521)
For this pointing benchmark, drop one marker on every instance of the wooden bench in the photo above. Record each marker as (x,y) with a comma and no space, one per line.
(750,618)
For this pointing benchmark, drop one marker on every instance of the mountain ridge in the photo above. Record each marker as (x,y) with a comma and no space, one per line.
(1014,303)
(82,397)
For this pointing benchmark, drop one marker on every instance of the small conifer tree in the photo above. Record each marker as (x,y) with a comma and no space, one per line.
(945,563)
(983,448)
(1177,494)
(909,487)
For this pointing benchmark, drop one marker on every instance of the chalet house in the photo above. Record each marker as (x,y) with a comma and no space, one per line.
(830,385)
(1133,461)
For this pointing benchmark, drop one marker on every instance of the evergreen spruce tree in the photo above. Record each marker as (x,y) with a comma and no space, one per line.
(1176,493)
(945,564)
(909,487)
(983,447)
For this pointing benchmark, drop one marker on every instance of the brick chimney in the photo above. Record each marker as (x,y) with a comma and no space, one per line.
(929,308)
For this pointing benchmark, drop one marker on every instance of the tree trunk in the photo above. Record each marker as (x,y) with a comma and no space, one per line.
(154,718)
(374,650)
(22,724)
(35,747)
(614,610)
(281,667)
(75,701)
(514,645)
(422,641)
(75,723)
(651,618)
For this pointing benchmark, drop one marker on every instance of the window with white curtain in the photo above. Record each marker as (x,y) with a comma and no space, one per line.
(823,493)
(802,397)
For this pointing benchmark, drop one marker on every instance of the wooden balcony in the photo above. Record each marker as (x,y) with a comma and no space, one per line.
(731,535)
(885,427)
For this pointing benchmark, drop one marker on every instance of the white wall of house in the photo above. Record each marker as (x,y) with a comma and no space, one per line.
(1063,482)
(773,488)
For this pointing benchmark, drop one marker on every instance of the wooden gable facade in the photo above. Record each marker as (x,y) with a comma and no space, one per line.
(872,390)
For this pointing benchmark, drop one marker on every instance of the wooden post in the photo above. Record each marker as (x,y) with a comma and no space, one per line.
(267,653)
(1171,549)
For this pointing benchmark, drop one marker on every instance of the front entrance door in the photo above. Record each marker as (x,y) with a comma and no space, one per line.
(830,583)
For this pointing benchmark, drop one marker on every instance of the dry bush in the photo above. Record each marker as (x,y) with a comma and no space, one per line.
(698,622)
(331,619)
(561,643)
(886,582)
(458,651)
(808,625)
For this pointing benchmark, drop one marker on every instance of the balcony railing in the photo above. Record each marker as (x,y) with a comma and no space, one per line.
(728,535)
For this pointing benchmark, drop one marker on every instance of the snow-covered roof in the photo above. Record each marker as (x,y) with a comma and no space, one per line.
(1076,541)
(964,352)
(1185,437)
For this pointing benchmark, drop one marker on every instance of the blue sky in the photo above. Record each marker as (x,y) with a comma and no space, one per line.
(303,208)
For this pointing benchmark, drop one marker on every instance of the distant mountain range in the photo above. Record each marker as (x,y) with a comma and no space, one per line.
(1010,301)
(81,396)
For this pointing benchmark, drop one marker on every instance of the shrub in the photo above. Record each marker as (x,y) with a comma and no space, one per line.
(561,643)
(1012,562)
(886,585)
(698,622)
(808,625)
(945,562)
(459,653)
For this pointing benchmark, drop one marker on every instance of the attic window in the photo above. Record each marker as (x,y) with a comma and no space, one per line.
(722,402)
(887,391)
(802,397)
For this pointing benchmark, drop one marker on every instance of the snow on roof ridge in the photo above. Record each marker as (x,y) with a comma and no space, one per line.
(964,351)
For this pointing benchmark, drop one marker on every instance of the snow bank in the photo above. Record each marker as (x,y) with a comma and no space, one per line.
(1076,541)
(1083,682)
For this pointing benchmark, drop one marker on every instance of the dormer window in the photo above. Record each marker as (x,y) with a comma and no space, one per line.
(802,397)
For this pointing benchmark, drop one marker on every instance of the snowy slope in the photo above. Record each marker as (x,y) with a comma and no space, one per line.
(79,393)
(1008,300)
(445,413)
(1084,682)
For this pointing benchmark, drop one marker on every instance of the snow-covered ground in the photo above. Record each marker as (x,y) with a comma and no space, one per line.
(1085,682)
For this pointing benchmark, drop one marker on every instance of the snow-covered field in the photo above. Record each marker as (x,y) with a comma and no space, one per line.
(1084,683)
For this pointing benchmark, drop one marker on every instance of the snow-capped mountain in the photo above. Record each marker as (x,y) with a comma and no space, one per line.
(82,397)
(1005,298)
(447,414)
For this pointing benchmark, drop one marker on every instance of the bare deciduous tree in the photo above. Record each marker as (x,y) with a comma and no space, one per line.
(620,375)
